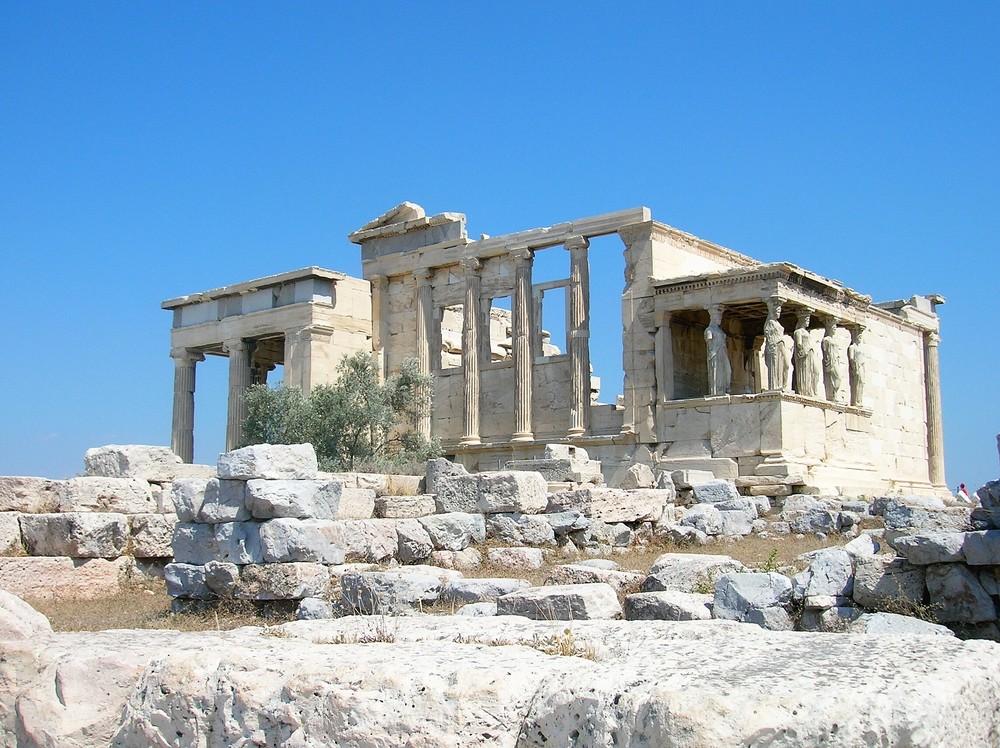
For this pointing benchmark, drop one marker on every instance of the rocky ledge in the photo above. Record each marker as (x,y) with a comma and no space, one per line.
(503,681)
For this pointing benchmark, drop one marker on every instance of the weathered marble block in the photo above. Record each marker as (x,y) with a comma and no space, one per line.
(515,558)
(389,592)
(285,540)
(356,503)
(147,463)
(687,572)
(224,501)
(270,462)
(982,548)
(187,581)
(269,499)
(438,468)
(454,531)
(612,504)
(194,543)
(585,574)
(404,507)
(364,540)
(481,590)
(893,624)
(931,548)
(282,581)
(188,496)
(886,583)
(11,543)
(715,491)
(62,578)
(956,596)
(239,542)
(152,535)
(668,606)
(736,595)
(491,492)
(28,495)
(414,542)
(121,495)
(571,602)
(519,529)
(75,534)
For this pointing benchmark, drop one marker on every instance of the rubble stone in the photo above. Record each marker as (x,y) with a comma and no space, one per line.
(571,602)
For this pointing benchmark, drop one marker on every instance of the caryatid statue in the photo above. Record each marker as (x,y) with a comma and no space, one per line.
(774,333)
(720,370)
(833,361)
(856,363)
(807,358)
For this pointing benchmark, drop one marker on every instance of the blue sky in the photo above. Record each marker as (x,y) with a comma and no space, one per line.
(148,150)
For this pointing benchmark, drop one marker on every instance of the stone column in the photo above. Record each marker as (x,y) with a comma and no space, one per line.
(182,427)
(935,430)
(239,380)
(380,318)
(665,359)
(470,350)
(579,335)
(521,341)
(425,318)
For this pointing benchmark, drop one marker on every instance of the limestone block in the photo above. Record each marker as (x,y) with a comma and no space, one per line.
(681,534)
(477,610)
(519,529)
(11,543)
(737,594)
(835,619)
(703,517)
(746,505)
(188,495)
(440,468)
(456,492)
(269,499)
(982,548)
(988,496)
(774,618)
(584,574)
(516,558)
(414,543)
(638,476)
(282,581)
(770,490)
(388,592)
(237,542)
(287,540)
(480,590)
(400,507)
(404,485)
(931,548)
(270,462)
(831,572)
(571,602)
(690,478)
(893,624)
(618,534)
(668,606)
(222,577)
(364,540)
(378,483)
(194,543)
(314,609)
(465,560)
(152,535)
(28,495)
(815,520)
(715,491)
(75,534)
(906,519)
(454,531)
(735,523)
(612,504)
(566,522)
(18,620)
(688,572)
(559,470)
(885,583)
(187,581)
(356,503)
(186,470)
(863,546)
(61,577)
(489,492)
(956,596)
(121,495)
(150,464)
(223,501)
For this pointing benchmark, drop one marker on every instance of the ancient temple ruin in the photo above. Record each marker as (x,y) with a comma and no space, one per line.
(763,372)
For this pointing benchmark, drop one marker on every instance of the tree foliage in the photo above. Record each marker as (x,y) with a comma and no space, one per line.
(356,421)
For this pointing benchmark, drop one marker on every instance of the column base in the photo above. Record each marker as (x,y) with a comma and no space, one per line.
(469,441)
(522,437)
(573,433)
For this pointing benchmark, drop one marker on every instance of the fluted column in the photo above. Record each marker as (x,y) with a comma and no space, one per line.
(579,335)
(182,426)
(522,354)
(239,380)
(470,350)
(425,313)
(380,318)
(935,430)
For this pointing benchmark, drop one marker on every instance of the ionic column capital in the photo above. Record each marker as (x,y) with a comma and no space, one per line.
(188,356)
(933,339)
(522,254)
(576,242)
(236,345)
(423,276)
(471,265)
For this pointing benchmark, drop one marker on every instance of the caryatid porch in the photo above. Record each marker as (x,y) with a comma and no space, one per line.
(768,367)
(305,320)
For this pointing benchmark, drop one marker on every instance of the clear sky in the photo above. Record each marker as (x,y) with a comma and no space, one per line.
(149,150)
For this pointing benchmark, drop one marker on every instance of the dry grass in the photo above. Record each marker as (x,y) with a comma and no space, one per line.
(147,606)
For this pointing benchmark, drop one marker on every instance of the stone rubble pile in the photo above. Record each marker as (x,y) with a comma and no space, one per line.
(86,536)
